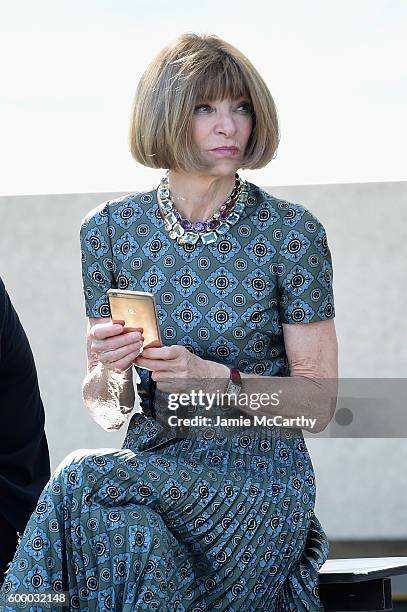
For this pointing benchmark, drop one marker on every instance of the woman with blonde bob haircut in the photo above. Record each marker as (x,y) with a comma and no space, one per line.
(197,68)
(198,510)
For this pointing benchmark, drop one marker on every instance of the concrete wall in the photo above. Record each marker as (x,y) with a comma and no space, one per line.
(362,491)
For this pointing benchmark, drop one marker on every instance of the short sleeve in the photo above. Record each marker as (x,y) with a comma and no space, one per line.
(97,261)
(304,270)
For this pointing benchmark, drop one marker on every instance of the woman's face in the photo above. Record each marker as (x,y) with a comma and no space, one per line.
(221,131)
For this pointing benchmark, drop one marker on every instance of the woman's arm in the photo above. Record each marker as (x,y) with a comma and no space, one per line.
(107,389)
(311,389)
(312,349)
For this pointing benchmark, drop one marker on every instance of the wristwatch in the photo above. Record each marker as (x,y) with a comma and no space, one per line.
(234,385)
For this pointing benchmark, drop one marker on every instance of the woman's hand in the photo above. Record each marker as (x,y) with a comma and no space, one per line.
(113,348)
(177,370)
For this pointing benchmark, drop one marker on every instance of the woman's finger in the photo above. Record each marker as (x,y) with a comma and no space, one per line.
(154,364)
(110,357)
(100,331)
(125,363)
(112,344)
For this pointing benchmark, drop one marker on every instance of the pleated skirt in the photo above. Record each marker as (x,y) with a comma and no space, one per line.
(169,524)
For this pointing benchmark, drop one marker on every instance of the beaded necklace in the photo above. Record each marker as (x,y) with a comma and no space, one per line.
(185,232)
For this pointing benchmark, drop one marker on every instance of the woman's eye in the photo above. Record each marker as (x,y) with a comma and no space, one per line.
(201,108)
(246,107)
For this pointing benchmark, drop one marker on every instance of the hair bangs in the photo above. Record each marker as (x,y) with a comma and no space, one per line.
(220,80)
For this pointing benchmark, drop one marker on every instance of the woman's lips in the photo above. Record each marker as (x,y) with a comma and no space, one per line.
(225,151)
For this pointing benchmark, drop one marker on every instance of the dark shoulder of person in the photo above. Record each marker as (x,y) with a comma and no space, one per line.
(24,456)
(16,358)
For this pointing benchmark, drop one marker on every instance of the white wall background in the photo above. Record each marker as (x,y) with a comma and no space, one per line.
(336,70)
(362,492)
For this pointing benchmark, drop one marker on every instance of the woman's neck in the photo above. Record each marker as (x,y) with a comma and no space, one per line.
(198,197)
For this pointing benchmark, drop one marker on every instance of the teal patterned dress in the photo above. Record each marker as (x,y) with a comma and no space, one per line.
(197,524)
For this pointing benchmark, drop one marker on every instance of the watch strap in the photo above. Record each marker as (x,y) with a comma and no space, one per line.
(234,384)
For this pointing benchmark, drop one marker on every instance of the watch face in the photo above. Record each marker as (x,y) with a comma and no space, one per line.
(232,388)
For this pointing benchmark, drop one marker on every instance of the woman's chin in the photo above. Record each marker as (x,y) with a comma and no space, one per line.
(224,167)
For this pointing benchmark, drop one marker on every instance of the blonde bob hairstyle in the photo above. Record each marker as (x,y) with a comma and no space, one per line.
(190,70)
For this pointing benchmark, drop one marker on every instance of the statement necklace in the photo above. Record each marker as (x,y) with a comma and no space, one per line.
(185,232)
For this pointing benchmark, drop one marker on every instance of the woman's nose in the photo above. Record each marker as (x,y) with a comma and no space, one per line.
(226,124)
